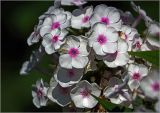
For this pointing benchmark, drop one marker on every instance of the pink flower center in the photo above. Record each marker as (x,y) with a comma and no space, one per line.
(85,92)
(85,19)
(55,25)
(138,45)
(55,39)
(105,20)
(71,73)
(73,52)
(101,39)
(136,76)
(156,86)
(39,93)
(63,90)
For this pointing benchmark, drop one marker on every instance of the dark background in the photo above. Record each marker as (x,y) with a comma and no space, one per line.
(17,22)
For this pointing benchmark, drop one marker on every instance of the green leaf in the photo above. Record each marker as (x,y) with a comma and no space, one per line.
(150,56)
(105,104)
(110,106)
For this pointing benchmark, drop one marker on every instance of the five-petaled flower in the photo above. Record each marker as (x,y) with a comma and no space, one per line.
(53,41)
(82,93)
(116,94)
(39,94)
(136,73)
(75,53)
(109,16)
(58,19)
(103,39)
(82,20)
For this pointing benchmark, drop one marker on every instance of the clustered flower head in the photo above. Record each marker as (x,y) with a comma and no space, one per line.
(92,39)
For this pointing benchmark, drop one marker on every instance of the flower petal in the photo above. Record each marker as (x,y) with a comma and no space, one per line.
(133,68)
(133,84)
(110,47)
(65,61)
(50,49)
(73,42)
(61,95)
(47,40)
(36,102)
(76,22)
(143,70)
(122,59)
(122,46)
(68,77)
(110,64)
(114,16)
(100,28)
(100,10)
(45,30)
(111,34)
(61,18)
(47,21)
(79,61)
(98,49)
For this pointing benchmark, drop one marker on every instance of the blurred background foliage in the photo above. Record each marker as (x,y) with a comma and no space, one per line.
(17,22)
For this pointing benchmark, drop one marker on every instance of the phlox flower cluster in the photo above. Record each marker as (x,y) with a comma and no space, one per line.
(88,39)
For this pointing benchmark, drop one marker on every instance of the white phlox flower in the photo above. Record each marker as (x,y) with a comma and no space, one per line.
(109,16)
(81,94)
(114,93)
(59,94)
(58,19)
(136,73)
(83,19)
(103,39)
(151,84)
(75,53)
(68,77)
(119,58)
(73,2)
(39,94)
(53,41)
